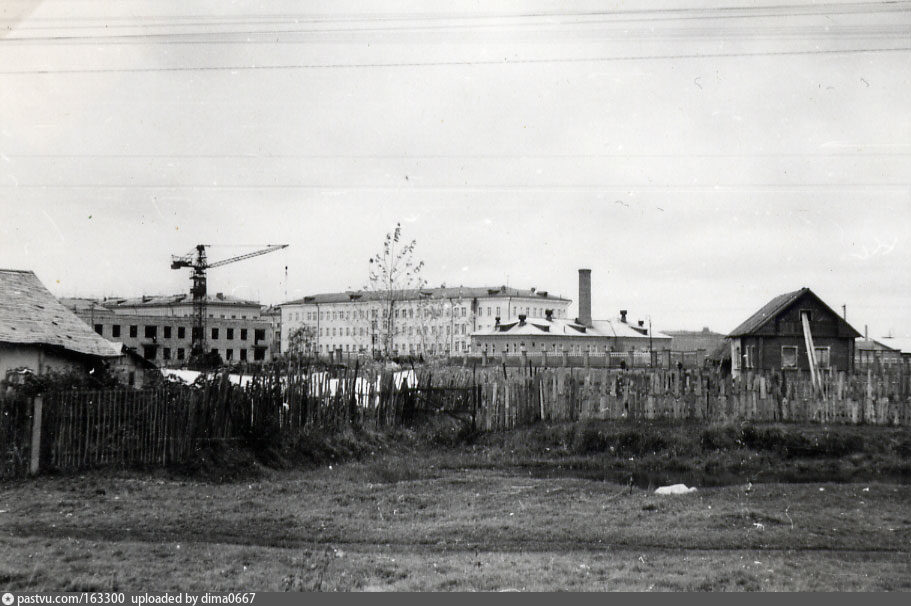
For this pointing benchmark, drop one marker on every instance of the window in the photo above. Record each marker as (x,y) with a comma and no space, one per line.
(789,356)
(230,333)
(180,353)
(151,332)
(214,352)
(243,334)
(166,354)
(259,355)
(181,332)
(167,332)
(822,356)
(214,333)
(243,355)
(148,352)
(749,357)
(115,330)
(99,328)
(134,331)
(229,354)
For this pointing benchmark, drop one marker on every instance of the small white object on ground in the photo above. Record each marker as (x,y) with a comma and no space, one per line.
(675,489)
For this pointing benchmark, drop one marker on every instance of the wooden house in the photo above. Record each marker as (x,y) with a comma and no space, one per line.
(39,334)
(781,334)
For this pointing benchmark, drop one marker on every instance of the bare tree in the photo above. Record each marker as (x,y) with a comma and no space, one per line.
(395,275)
(302,341)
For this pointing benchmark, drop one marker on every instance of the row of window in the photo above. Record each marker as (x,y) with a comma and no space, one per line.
(789,356)
(399,331)
(398,348)
(181,353)
(361,314)
(151,332)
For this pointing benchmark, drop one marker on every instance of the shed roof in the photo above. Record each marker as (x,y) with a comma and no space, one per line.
(777,305)
(415,294)
(30,314)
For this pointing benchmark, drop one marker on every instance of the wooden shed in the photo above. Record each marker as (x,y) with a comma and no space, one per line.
(782,333)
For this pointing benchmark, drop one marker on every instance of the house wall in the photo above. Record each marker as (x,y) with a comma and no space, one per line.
(768,351)
(495,344)
(37,358)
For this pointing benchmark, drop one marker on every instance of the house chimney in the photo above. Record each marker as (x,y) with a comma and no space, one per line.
(623,316)
(641,322)
(549,315)
(585,297)
(497,321)
(866,333)
(522,319)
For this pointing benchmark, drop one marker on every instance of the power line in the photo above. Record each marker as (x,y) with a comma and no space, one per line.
(482,62)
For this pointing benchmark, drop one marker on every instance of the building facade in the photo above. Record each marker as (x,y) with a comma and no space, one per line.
(160,328)
(774,337)
(554,334)
(428,321)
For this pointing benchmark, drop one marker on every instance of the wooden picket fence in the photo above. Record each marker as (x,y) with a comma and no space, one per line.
(154,427)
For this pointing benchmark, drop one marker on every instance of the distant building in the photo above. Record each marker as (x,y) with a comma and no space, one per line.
(694,340)
(38,333)
(773,338)
(160,328)
(886,352)
(580,335)
(427,321)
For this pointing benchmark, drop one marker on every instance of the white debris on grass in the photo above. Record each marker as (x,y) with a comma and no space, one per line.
(675,489)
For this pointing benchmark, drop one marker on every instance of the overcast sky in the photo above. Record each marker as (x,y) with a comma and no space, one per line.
(699,161)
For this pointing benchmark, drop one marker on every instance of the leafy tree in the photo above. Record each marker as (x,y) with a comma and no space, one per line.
(302,341)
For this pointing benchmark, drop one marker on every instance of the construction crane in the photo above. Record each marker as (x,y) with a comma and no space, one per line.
(196,259)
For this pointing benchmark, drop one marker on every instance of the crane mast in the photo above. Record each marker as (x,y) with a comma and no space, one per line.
(198,261)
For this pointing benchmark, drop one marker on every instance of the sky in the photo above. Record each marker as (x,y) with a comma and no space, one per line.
(700,160)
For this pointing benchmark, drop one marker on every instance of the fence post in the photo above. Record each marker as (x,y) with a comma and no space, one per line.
(35,463)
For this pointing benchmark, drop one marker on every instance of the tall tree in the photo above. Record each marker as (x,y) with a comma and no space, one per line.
(394,276)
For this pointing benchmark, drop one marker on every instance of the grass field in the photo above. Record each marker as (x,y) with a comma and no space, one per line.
(515,511)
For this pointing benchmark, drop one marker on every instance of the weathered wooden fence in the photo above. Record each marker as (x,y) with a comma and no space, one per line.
(125,427)
(512,397)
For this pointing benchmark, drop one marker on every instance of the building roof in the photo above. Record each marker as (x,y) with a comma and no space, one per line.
(777,305)
(30,314)
(705,332)
(902,344)
(180,299)
(455,292)
(564,327)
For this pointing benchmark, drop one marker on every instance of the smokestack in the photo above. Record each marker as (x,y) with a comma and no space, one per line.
(866,333)
(623,316)
(585,297)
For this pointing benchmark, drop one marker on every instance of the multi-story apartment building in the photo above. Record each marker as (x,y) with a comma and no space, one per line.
(410,322)
(160,328)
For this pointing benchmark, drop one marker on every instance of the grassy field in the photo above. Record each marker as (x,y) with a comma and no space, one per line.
(522,511)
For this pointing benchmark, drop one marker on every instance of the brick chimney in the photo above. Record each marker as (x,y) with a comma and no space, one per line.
(585,297)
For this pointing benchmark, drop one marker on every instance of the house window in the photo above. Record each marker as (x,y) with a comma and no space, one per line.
(134,331)
(230,332)
(148,352)
(167,332)
(214,333)
(243,355)
(180,353)
(115,330)
(259,334)
(259,355)
(789,356)
(229,354)
(243,334)
(181,332)
(99,328)
(822,356)
(151,332)
(166,354)
(749,356)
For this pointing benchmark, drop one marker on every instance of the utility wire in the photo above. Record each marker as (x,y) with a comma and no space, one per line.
(482,62)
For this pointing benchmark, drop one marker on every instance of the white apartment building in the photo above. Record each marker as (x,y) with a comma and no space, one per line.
(428,321)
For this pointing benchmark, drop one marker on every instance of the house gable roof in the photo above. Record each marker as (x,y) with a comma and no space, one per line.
(778,305)
(30,314)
